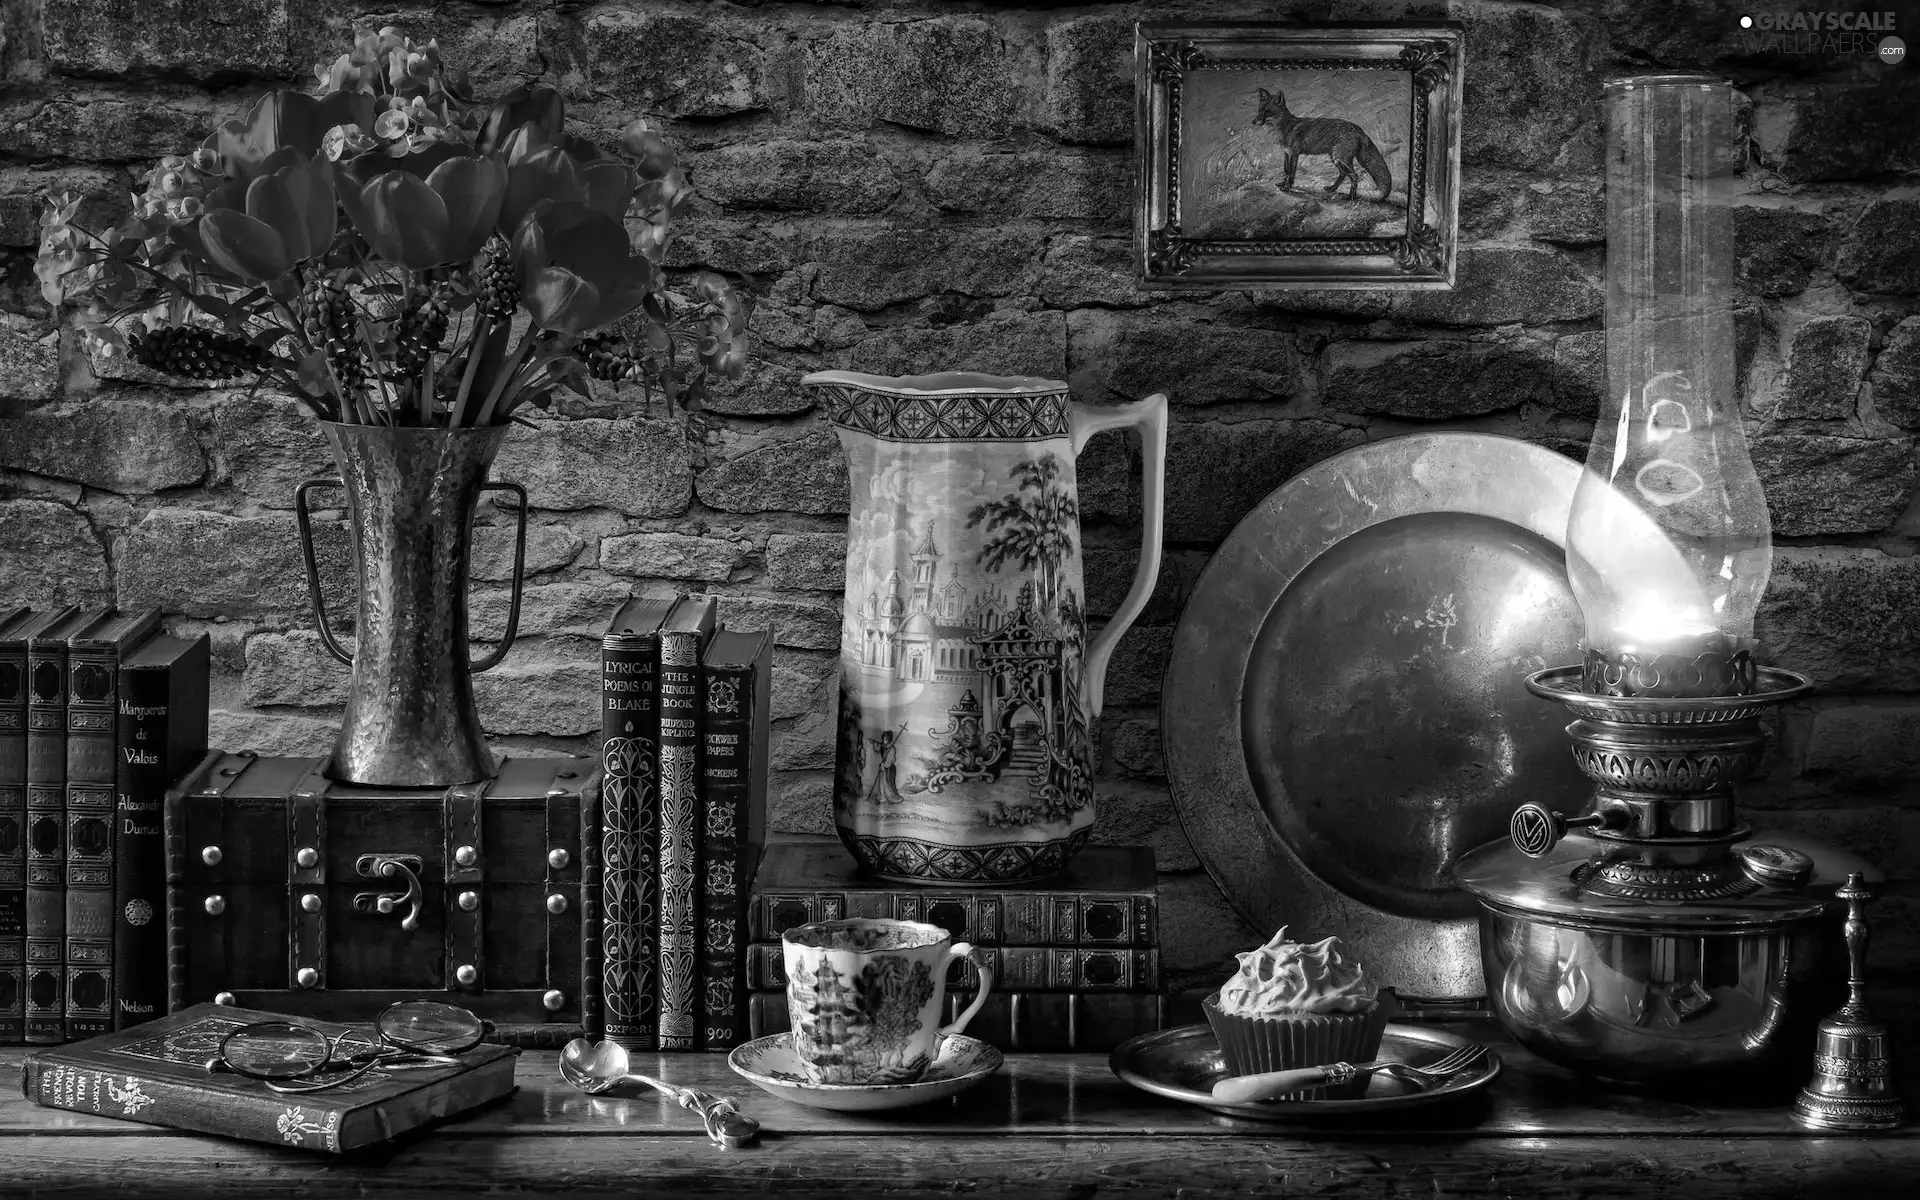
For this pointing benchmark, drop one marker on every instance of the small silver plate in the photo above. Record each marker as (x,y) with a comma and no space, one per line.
(1184,1064)
(1345,712)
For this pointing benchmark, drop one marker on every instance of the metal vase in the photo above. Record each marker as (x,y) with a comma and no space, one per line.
(410,719)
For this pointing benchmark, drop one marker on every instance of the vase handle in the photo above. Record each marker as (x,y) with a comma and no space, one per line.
(308,556)
(313,566)
(499,652)
(1083,421)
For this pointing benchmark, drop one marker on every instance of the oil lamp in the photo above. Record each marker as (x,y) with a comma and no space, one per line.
(1652,937)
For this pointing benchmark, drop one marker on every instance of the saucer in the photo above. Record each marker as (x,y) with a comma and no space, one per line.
(1184,1064)
(770,1064)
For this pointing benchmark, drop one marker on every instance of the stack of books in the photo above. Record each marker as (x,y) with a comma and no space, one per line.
(1075,960)
(684,718)
(99,714)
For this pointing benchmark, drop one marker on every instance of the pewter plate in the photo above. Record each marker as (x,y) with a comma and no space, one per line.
(1345,712)
(1184,1064)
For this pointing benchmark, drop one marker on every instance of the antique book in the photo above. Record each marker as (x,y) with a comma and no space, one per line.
(14,630)
(1015,968)
(1106,897)
(156,1073)
(93,685)
(162,720)
(629,834)
(46,824)
(1041,1022)
(737,675)
(682,637)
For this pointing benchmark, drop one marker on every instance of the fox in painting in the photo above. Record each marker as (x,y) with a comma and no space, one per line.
(1342,141)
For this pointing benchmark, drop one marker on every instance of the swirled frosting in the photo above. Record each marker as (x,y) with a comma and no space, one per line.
(1284,976)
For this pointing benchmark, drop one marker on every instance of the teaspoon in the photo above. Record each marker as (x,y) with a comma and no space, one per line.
(596,1067)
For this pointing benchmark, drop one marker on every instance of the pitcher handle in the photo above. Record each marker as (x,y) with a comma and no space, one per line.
(313,566)
(492,660)
(1083,421)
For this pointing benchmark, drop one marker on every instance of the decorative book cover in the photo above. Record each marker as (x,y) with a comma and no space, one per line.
(629,833)
(1105,897)
(1015,968)
(46,825)
(738,679)
(155,1073)
(14,631)
(1036,1022)
(682,637)
(162,723)
(93,685)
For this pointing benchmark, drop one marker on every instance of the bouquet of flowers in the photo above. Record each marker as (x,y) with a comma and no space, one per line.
(368,248)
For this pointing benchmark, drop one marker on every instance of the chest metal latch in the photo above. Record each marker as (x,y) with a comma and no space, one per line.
(391,866)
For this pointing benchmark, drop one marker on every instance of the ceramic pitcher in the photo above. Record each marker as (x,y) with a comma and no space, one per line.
(968,686)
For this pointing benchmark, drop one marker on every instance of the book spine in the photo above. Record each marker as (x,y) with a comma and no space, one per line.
(726,797)
(92,686)
(1031,1022)
(262,1117)
(46,843)
(139,847)
(629,841)
(1015,968)
(1011,919)
(13,844)
(679,837)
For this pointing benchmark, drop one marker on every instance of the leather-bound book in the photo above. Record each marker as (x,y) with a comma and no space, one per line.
(93,685)
(156,1073)
(1015,968)
(682,637)
(1107,896)
(629,833)
(162,734)
(1034,1022)
(46,824)
(14,629)
(737,677)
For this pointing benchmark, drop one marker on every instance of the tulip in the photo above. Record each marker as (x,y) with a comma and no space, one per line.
(257,231)
(536,106)
(282,120)
(419,222)
(570,171)
(574,270)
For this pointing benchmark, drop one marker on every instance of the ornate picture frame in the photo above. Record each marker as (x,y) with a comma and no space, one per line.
(1239,128)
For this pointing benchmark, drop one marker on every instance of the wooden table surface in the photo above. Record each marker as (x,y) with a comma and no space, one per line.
(1047,1125)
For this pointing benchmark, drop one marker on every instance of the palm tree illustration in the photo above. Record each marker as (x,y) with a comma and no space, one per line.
(1031,526)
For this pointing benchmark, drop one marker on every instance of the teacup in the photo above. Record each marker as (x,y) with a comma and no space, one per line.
(865,994)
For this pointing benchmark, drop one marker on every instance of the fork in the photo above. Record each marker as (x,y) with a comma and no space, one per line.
(1242,1089)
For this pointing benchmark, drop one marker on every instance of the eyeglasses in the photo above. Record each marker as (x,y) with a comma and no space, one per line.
(290,1057)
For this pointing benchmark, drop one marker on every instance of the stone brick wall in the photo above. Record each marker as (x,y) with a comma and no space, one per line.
(920,185)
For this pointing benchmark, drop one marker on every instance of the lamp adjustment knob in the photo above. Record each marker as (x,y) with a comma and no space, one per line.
(1536,829)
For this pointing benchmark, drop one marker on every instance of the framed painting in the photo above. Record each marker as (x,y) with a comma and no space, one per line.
(1290,156)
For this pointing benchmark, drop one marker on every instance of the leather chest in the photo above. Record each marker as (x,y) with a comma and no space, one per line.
(293,893)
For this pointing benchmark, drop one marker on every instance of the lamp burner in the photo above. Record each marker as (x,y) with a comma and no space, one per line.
(1670,676)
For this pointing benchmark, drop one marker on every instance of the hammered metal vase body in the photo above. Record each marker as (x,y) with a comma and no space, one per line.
(410,719)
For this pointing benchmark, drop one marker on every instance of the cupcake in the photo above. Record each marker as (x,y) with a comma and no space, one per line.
(1295,1005)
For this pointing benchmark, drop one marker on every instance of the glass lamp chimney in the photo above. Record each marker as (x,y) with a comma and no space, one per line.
(1669,542)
